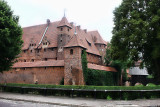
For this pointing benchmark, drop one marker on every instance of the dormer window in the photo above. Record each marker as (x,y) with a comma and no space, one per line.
(71,52)
(89,43)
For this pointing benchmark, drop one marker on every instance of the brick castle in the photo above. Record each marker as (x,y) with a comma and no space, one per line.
(52,52)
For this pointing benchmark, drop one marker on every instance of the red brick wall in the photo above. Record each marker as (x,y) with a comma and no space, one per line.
(49,54)
(73,62)
(48,75)
(102,51)
(91,58)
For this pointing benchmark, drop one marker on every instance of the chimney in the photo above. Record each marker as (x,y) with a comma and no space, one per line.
(48,22)
(79,27)
(71,24)
(85,30)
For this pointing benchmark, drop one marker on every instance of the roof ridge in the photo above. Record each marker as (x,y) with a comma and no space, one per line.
(39,25)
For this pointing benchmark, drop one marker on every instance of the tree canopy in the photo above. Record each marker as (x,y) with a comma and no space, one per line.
(136,34)
(10,36)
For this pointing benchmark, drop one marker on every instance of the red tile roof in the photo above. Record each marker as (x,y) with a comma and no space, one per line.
(75,41)
(100,67)
(39,64)
(34,34)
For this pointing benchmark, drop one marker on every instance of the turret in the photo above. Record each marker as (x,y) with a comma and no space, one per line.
(63,36)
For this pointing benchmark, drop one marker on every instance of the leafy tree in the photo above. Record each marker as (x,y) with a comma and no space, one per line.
(10,37)
(136,34)
(117,64)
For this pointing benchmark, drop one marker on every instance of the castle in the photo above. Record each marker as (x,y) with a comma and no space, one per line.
(52,52)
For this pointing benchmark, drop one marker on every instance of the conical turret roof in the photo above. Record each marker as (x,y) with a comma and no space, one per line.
(64,22)
(75,42)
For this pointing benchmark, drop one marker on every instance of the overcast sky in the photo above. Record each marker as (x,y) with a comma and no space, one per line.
(90,14)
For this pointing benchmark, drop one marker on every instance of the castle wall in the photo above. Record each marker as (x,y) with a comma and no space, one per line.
(43,75)
(95,59)
(102,50)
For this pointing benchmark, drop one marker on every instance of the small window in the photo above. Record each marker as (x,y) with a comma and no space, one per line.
(71,52)
(45,59)
(31,51)
(61,35)
(52,49)
(61,29)
(44,50)
(24,60)
(68,30)
(38,51)
(32,60)
(61,40)
(32,44)
(45,67)
(24,51)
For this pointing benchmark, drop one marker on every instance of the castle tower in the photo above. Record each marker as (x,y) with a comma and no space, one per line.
(63,36)
(73,74)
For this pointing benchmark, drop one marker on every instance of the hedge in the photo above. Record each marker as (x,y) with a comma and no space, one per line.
(86,87)
(101,92)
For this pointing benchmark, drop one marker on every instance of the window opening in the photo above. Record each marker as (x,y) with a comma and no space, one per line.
(71,52)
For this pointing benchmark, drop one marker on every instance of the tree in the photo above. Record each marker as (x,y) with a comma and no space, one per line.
(119,65)
(136,34)
(10,37)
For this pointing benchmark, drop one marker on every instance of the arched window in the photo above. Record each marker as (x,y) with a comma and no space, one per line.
(71,51)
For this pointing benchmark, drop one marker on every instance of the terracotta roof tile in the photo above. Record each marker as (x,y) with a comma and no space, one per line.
(36,32)
(64,22)
(100,67)
(75,41)
(39,64)
(84,39)
(98,38)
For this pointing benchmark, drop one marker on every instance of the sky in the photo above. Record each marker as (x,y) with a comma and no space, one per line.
(89,14)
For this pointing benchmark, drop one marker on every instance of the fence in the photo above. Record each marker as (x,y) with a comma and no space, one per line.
(100,94)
